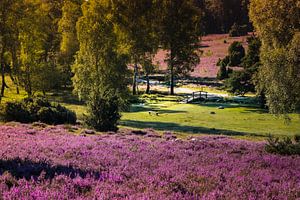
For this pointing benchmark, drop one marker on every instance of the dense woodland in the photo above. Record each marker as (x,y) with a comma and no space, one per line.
(88,45)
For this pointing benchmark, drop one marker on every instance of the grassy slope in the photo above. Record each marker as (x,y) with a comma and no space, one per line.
(196,118)
(188,118)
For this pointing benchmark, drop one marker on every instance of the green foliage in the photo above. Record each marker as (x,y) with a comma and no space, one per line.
(220,15)
(135,19)
(279,75)
(134,99)
(239,83)
(15,111)
(242,82)
(100,68)
(101,60)
(238,30)
(103,112)
(69,44)
(222,73)
(37,109)
(285,146)
(252,59)
(277,23)
(179,25)
(45,77)
(236,53)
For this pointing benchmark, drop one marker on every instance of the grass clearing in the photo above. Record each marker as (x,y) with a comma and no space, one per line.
(185,119)
(236,120)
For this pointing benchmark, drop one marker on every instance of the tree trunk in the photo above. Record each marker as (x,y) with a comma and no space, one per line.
(172,80)
(15,70)
(28,82)
(3,86)
(134,83)
(148,84)
(262,100)
(172,74)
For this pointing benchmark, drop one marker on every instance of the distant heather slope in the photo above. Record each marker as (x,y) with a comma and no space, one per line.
(214,47)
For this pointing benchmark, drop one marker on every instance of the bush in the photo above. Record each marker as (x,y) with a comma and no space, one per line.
(285,146)
(37,109)
(103,112)
(222,74)
(238,30)
(56,115)
(134,99)
(236,54)
(240,83)
(16,111)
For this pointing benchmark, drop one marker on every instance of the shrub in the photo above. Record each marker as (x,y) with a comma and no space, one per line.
(239,83)
(103,112)
(285,146)
(37,109)
(16,111)
(238,30)
(134,99)
(222,74)
(236,53)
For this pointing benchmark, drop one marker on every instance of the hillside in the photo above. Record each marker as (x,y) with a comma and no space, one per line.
(214,47)
(50,163)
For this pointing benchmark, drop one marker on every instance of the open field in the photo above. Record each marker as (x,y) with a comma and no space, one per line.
(188,119)
(49,163)
(236,120)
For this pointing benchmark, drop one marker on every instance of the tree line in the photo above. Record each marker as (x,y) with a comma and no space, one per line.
(40,37)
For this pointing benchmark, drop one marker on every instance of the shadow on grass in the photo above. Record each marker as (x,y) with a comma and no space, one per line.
(64,96)
(256,110)
(164,126)
(28,169)
(249,107)
(152,108)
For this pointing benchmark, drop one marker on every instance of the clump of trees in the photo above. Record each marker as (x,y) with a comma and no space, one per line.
(100,66)
(179,33)
(278,23)
(271,66)
(243,81)
(90,44)
(236,53)
(30,41)
(220,15)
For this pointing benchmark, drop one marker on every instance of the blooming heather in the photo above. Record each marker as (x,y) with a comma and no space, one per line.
(52,164)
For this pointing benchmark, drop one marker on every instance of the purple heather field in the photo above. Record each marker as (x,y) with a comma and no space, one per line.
(50,163)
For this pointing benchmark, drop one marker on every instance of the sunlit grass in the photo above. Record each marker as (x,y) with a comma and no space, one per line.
(168,114)
(200,118)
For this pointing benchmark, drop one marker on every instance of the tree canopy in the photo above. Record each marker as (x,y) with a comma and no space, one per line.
(277,23)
